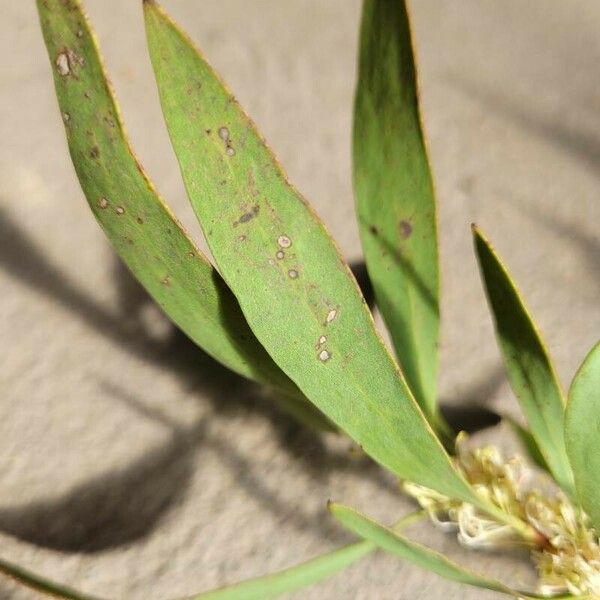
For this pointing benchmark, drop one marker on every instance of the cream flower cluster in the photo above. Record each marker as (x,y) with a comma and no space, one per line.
(568,556)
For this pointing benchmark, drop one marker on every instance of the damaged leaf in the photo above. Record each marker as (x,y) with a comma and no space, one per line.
(395,200)
(292,284)
(139,225)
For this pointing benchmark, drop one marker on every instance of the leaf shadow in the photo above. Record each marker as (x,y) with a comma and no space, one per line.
(587,244)
(112,509)
(582,143)
(466,411)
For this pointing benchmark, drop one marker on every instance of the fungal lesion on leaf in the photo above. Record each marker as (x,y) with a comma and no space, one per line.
(331,315)
(66,61)
(324,355)
(405,227)
(226,137)
(283,241)
(248,215)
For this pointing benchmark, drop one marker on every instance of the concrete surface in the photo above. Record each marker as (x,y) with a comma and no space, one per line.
(134,467)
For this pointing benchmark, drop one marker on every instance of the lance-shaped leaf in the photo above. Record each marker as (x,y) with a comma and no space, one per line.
(261,588)
(395,197)
(419,555)
(41,584)
(582,432)
(302,575)
(528,366)
(139,225)
(294,288)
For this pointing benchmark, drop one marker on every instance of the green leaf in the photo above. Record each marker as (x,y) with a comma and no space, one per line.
(530,371)
(423,557)
(40,584)
(528,443)
(395,197)
(260,588)
(139,225)
(582,432)
(294,288)
(302,575)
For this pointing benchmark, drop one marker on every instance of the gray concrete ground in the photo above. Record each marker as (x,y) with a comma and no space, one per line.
(134,467)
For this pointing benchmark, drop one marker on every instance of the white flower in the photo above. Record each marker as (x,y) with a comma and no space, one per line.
(568,556)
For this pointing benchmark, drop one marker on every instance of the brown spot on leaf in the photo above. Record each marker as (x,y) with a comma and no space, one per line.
(406,228)
(284,241)
(248,216)
(252,183)
(373,230)
(95,152)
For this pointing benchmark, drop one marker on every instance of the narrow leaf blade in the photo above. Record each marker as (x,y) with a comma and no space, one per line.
(138,224)
(582,432)
(302,575)
(414,553)
(528,366)
(293,579)
(294,288)
(395,199)
(39,583)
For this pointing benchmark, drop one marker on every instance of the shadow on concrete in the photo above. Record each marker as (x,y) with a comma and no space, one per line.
(586,244)
(467,412)
(127,504)
(581,143)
